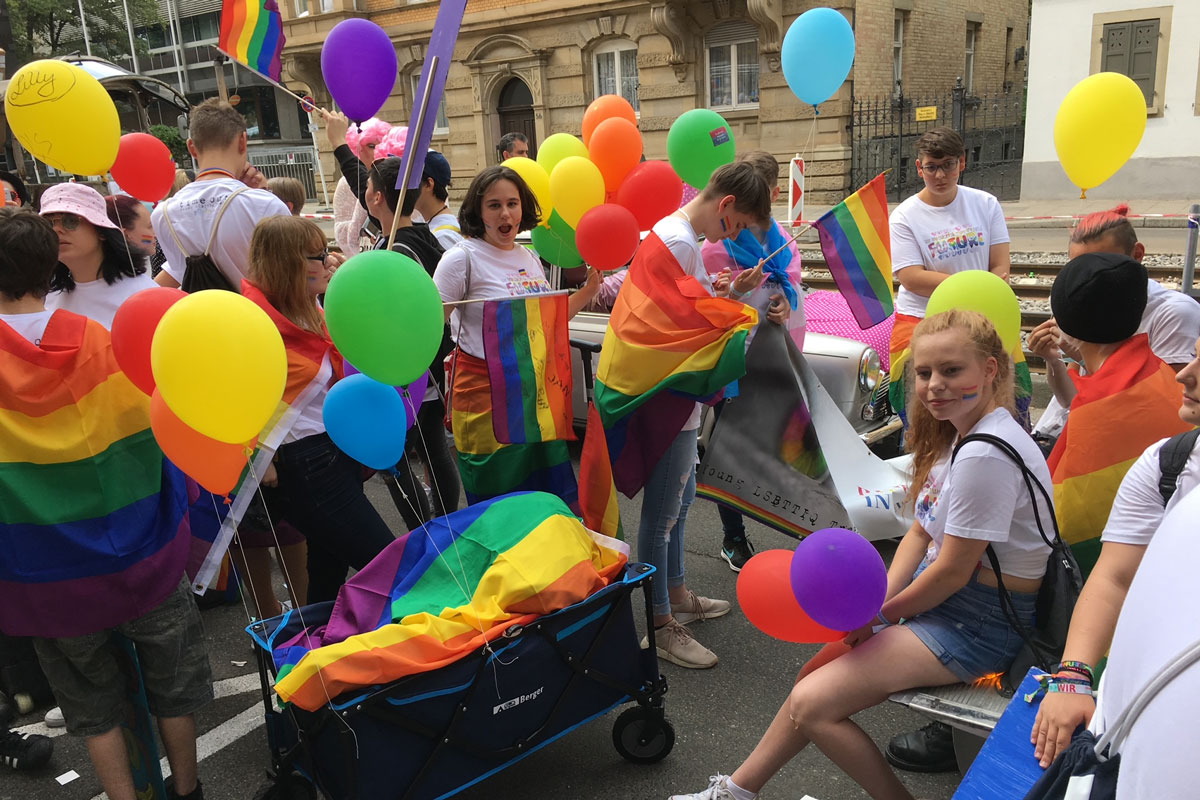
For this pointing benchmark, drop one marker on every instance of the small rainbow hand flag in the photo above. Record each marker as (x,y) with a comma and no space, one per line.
(858,249)
(527,348)
(252,33)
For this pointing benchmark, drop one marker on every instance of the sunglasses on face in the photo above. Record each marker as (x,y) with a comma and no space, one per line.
(320,257)
(944,167)
(11,198)
(68,222)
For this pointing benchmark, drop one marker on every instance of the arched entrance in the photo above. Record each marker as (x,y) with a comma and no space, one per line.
(515,108)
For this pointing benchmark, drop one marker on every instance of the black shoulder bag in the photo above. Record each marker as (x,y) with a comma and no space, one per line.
(200,271)
(1043,646)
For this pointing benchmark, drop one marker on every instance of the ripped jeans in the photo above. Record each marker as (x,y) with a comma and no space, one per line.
(665,501)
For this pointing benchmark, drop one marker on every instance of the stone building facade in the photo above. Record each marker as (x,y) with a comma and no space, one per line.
(535,65)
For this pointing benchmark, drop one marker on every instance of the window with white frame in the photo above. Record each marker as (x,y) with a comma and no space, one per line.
(732,60)
(615,65)
(442,125)
(969,63)
(898,50)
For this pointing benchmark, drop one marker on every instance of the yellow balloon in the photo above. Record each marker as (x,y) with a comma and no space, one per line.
(557,147)
(220,364)
(538,181)
(63,116)
(1099,125)
(577,187)
(985,292)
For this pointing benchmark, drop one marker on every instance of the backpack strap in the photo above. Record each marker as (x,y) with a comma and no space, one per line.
(212,236)
(1172,458)
(171,228)
(1116,734)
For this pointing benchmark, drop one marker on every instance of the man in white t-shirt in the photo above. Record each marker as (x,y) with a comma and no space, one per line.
(1171,319)
(943,229)
(185,222)
(433,205)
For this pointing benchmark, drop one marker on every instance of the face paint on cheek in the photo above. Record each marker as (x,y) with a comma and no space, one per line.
(147,240)
(970,392)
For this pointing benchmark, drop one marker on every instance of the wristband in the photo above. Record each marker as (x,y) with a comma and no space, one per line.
(882,619)
(734,294)
(1079,667)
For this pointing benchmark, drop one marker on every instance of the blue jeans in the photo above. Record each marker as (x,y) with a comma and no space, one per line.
(665,501)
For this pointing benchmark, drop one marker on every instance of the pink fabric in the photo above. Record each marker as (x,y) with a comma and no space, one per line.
(828,313)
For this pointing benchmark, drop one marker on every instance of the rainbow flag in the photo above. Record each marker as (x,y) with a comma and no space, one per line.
(597,490)
(252,33)
(857,244)
(441,592)
(93,523)
(669,344)
(527,348)
(1130,403)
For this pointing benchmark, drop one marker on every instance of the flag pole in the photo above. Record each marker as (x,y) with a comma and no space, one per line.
(408,165)
(266,78)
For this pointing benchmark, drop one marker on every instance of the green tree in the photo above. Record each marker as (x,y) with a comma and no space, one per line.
(174,142)
(48,28)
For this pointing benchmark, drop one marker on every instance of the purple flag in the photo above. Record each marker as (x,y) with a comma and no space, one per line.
(441,44)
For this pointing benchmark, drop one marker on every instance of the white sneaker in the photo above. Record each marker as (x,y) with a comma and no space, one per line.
(54,718)
(700,608)
(718,789)
(676,644)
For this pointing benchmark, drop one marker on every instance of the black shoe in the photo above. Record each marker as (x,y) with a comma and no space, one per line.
(25,750)
(737,552)
(196,794)
(931,749)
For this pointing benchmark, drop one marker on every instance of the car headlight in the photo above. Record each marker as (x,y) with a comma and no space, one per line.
(868,370)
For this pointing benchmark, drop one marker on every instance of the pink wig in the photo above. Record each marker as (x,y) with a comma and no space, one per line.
(373,131)
(393,143)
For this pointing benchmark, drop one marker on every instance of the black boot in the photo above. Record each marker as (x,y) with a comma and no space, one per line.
(25,750)
(930,749)
(195,794)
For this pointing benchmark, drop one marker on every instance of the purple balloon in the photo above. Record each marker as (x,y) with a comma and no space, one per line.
(838,578)
(358,62)
(414,397)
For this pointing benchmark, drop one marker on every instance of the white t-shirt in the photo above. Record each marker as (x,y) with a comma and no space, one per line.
(1172,319)
(1138,510)
(32,325)
(445,228)
(98,299)
(193,211)
(1157,622)
(949,239)
(681,239)
(494,273)
(985,497)
(311,419)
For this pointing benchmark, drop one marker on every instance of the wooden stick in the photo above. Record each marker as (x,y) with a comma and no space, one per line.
(412,156)
(454,303)
(267,78)
(781,248)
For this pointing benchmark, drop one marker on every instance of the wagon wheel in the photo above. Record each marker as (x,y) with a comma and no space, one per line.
(642,739)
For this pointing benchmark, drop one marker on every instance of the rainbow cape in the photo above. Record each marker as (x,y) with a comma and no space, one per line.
(93,523)
(856,241)
(312,364)
(527,348)
(252,33)
(668,344)
(441,592)
(1130,403)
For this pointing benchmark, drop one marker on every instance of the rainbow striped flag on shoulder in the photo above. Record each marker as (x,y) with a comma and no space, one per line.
(527,348)
(252,33)
(93,519)
(856,241)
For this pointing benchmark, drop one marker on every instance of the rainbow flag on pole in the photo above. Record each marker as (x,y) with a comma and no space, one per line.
(252,33)
(440,592)
(527,348)
(857,246)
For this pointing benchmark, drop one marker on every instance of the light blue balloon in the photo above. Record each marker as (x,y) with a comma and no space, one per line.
(366,419)
(818,51)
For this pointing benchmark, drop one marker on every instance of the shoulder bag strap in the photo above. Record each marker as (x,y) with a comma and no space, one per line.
(1172,458)
(171,228)
(458,334)
(1116,734)
(212,236)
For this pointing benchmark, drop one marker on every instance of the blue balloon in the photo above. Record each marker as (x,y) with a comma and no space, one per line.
(366,419)
(358,63)
(817,53)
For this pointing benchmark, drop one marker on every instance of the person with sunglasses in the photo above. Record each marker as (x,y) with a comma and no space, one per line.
(13,189)
(97,270)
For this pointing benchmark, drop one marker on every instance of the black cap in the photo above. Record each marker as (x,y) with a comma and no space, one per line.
(437,167)
(17,185)
(1100,297)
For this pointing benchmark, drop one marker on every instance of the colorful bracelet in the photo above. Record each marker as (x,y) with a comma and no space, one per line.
(1078,666)
(1069,688)
(1059,684)
(882,619)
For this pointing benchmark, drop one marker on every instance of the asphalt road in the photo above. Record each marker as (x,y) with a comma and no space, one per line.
(718,714)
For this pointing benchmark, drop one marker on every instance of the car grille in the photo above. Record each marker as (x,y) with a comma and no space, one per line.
(879,403)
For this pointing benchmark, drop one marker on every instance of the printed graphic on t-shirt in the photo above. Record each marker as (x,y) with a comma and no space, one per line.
(927,503)
(522,283)
(954,242)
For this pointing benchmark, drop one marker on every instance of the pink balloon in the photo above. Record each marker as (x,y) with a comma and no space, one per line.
(414,397)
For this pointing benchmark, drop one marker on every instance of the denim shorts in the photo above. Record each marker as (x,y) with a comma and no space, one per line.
(89,681)
(969,632)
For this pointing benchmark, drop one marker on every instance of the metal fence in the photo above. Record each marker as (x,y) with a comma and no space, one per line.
(883,131)
(290,163)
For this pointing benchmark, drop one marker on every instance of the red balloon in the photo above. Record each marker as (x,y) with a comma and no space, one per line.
(133,329)
(764,591)
(214,465)
(615,149)
(607,236)
(651,191)
(144,167)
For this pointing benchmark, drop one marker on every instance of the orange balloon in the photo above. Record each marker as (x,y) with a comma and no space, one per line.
(214,465)
(764,591)
(616,148)
(604,107)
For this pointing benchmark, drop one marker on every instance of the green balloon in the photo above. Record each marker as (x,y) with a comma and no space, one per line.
(699,141)
(556,244)
(385,316)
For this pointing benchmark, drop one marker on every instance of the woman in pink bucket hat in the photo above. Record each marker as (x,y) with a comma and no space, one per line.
(96,271)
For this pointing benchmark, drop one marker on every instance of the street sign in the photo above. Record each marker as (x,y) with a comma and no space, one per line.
(308,104)
(926,113)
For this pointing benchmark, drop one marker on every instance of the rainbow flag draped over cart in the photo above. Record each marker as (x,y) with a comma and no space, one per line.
(442,591)
(252,33)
